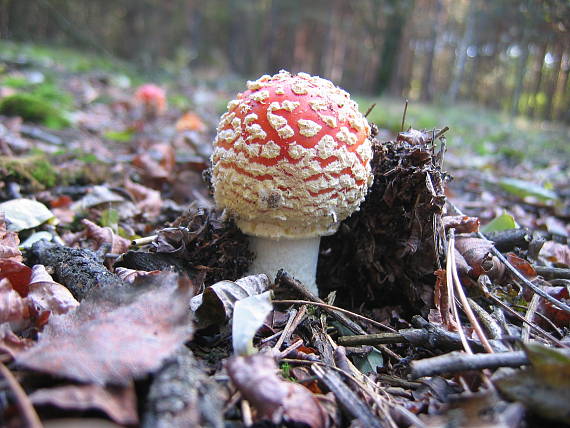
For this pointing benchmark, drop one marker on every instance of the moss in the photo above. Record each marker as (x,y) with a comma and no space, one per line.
(44,172)
(34,109)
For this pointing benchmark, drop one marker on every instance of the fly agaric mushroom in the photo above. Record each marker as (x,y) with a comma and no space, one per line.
(152,98)
(291,160)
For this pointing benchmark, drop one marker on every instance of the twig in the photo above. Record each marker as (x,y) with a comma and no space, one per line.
(369,110)
(346,397)
(332,309)
(520,276)
(246,413)
(552,272)
(455,362)
(139,242)
(404,116)
(29,416)
(440,133)
(529,317)
(286,330)
(463,298)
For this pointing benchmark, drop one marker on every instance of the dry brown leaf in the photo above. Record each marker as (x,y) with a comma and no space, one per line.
(477,253)
(190,122)
(216,304)
(461,223)
(47,295)
(13,307)
(9,242)
(273,398)
(147,200)
(105,235)
(130,275)
(119,403)
(157,162)
(115,335)
(556,253)
(10,343)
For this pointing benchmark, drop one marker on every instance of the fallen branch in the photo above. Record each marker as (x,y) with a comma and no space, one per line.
(79,270)
(552,272)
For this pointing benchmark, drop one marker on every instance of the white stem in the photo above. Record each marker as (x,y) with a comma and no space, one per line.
(298,257)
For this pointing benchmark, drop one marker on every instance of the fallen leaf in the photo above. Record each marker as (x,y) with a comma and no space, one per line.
(544,387)
(526,190)
(273,398)
(556,253)
(522,265)
(216,304)
(97,196)
(249,314)
(105,235)
(461,223)
(17,273)
(115,335)
(558,316)
(502,222)
(47,295)
(147,200)
(9,242)
(10,343)
(157,162)
(21,214)
(119,403)
(478,256)
(190,122)
(130,275)
(13,307)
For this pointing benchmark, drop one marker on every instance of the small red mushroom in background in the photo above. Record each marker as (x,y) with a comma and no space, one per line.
(152,98)
(291,160)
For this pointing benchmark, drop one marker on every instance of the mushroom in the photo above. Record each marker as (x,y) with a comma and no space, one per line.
(152,98)
(291,160)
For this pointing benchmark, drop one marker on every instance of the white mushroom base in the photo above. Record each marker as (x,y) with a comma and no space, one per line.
(298,257)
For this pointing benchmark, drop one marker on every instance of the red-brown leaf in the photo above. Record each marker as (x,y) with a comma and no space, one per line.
(115,335)
(274,399)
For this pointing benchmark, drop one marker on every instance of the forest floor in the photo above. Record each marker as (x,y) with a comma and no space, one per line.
(119,280)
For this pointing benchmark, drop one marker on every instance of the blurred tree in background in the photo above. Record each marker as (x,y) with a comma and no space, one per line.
(512,55)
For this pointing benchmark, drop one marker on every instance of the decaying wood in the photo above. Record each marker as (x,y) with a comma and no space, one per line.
(346,397)
(455,362)
(552,272)
(508,240)
(181,394)
(79,270)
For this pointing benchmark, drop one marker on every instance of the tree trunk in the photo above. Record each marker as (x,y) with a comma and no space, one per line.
(564,110)
(537,78)
(461,59)
(553,84)
(394,31)
(521,70)
(427,84)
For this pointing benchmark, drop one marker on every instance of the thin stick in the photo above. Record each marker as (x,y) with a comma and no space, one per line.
(286,330)
(27,411)
(370,109)
(334,308)
(404,116)
(520,276)
(440,133)
(246,413)
(463,298)
(139,242)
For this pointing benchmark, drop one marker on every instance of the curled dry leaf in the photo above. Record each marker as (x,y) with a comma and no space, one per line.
(461,223)
(13,307)
(46,295)
(116,334)
(559,317)
(10,343)
(105,235)
(119,403)
(9,242)
(147,200)
(273,398)
(477,253)
(556,253)
(216,304)
(130,275)
(157,162)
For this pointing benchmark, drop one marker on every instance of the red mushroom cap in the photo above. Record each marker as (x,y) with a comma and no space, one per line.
(291,157)
(151,95)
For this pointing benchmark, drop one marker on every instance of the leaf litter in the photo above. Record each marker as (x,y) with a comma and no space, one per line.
(130,311)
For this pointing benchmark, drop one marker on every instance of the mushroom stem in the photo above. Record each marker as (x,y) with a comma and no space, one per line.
(298,257)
